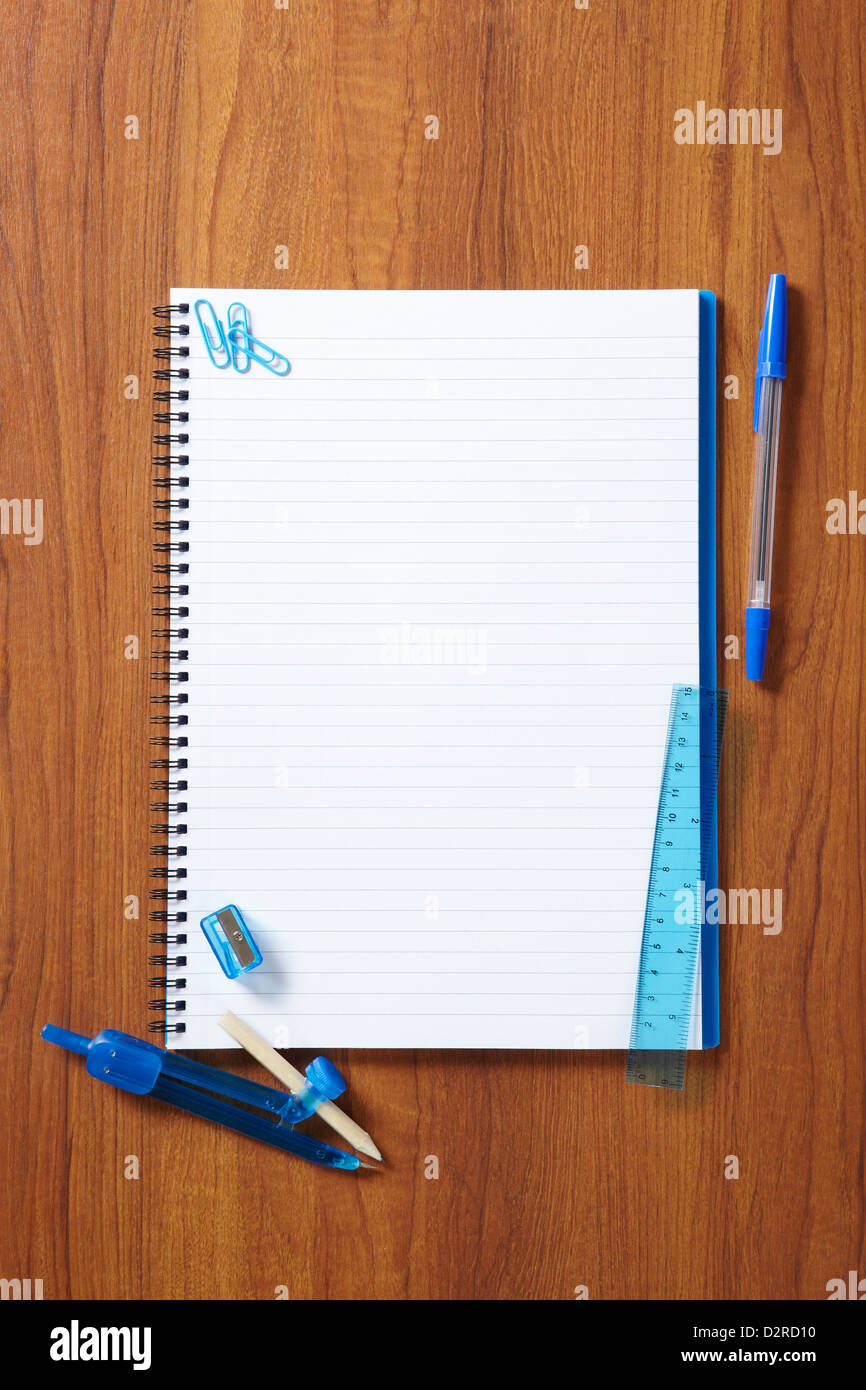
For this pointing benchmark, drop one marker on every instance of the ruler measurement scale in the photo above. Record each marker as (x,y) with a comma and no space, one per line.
(682,843)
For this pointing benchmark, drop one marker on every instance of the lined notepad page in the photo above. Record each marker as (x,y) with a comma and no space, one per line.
(441,579)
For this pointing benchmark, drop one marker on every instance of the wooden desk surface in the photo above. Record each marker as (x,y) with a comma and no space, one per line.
(305,127)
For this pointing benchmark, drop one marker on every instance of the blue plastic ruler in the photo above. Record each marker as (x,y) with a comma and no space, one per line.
(682,845)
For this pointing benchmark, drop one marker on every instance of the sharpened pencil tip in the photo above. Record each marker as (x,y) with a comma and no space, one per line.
(366,1146)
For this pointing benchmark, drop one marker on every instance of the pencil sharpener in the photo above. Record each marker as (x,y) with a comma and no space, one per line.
(231,941)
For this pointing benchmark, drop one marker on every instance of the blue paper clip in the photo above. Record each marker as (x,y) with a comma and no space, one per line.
(240,357)
(275,361)
(214,339)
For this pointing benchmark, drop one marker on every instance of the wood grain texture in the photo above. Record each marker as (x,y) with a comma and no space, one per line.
(305,127)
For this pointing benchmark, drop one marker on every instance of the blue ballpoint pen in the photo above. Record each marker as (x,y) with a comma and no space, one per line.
(132,1064)
(771,371)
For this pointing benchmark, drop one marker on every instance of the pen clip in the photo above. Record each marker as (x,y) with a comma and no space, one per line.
(762,348)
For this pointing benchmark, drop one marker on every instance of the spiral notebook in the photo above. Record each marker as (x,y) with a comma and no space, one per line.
(420,605)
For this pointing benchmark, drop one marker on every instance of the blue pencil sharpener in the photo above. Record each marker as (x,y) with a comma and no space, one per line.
(231,941)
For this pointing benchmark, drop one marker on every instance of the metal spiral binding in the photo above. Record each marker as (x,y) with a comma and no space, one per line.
(169,583)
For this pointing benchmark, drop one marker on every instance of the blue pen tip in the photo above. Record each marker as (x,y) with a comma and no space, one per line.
(757,627)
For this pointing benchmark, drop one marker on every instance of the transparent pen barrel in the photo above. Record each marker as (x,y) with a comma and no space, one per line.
(764,499)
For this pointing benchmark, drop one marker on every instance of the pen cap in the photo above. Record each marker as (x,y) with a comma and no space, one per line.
(773,342)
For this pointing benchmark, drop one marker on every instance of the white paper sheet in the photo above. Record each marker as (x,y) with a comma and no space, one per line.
(442,577)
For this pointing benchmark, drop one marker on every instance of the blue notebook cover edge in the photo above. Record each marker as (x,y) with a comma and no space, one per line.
(707,619)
